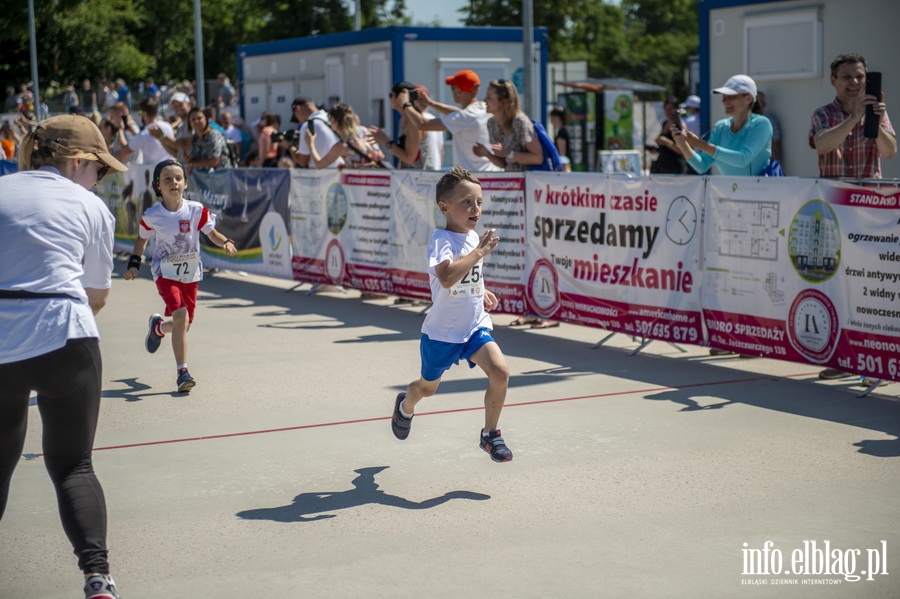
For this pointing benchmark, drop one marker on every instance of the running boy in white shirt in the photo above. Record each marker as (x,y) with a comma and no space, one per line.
(458,325)
(176,266)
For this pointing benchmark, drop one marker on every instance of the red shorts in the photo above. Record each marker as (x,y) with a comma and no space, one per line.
(178,295)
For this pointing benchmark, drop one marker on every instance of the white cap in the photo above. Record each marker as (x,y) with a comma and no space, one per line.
(739,84)
(691,102)
(180,97)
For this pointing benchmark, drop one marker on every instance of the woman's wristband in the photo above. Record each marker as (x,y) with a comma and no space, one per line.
(134,262)
(389,144)
(407,104)
(231,241)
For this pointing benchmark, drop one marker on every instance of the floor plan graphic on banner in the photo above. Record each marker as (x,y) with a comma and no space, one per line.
(804,270)
(618,253)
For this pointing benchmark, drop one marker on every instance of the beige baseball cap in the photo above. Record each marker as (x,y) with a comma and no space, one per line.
(76,136)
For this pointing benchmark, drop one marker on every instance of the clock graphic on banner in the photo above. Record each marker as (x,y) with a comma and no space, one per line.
(681,221)
(812,325)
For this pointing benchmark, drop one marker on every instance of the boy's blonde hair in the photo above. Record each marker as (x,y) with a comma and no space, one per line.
(453,178)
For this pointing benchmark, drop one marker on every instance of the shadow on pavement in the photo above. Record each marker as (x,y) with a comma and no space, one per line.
(365,491)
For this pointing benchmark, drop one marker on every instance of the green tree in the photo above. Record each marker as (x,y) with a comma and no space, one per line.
(135,38)
(645,40)
(75,39)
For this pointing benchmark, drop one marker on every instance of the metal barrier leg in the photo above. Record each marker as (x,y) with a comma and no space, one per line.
(602,341)
(678,347)
(644,343)
(870,388)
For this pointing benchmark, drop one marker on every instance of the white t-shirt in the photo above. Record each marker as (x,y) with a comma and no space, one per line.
(55,237)
(456,312)
(148,149)
(177,234)
(469,126)
(435,143)
(233,133)
(325,138)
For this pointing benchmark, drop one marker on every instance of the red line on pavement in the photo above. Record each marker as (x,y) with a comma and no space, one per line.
(437,412)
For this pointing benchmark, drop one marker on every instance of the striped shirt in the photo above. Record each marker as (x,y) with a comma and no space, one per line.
(857,157)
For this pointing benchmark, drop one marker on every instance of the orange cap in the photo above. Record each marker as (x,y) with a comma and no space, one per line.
(465,80)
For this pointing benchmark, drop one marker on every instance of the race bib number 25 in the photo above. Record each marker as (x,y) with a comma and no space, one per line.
(184,268)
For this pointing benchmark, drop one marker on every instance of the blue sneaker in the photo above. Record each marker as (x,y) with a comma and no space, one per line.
(185,381)
(99,586)
(493,444)
(153,340)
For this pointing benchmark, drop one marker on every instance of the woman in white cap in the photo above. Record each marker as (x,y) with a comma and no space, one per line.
(741,143)
(56,244)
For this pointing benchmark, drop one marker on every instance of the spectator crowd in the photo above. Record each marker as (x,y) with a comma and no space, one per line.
(488,130)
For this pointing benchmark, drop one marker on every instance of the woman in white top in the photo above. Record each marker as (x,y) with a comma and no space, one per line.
(56,243)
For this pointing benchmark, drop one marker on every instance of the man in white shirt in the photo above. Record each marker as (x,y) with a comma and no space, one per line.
(231,132)
(180,143)
(144,148)
(306,112)
(468,123)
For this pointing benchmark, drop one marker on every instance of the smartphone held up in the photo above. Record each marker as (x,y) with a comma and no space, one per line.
(873,121)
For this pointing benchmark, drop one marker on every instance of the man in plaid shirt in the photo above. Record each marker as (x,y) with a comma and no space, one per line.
(837,135)
(837,128)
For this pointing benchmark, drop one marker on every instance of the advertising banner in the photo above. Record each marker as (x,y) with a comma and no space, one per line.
(503,209)
(367,231)
(253,214)
(617,253)
(804,270)
(318,215)
(860,274)
(416,216)
(748,283)
(618,120)
(127,195)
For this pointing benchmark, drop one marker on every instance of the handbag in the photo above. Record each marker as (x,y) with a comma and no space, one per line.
(773,169)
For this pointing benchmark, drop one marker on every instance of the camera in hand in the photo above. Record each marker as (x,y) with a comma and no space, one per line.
(873,121)
(413,95)
(290,135)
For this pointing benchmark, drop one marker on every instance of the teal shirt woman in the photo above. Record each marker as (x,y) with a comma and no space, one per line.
(741,143)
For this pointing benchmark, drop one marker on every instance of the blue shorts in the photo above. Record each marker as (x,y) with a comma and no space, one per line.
(438,357)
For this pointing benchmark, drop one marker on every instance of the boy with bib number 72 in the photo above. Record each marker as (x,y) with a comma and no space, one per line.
(458,326)
(176,265)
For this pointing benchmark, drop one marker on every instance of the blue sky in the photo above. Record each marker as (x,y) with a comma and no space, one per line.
(425,11)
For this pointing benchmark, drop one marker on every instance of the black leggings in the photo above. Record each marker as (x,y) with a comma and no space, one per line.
(67,382)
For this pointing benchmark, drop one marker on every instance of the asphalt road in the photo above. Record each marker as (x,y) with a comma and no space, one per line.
(656,475)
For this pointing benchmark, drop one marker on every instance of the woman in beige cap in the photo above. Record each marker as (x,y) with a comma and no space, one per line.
(56,244)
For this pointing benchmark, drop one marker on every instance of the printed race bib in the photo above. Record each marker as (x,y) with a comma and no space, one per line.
(471,285)
(184,268)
